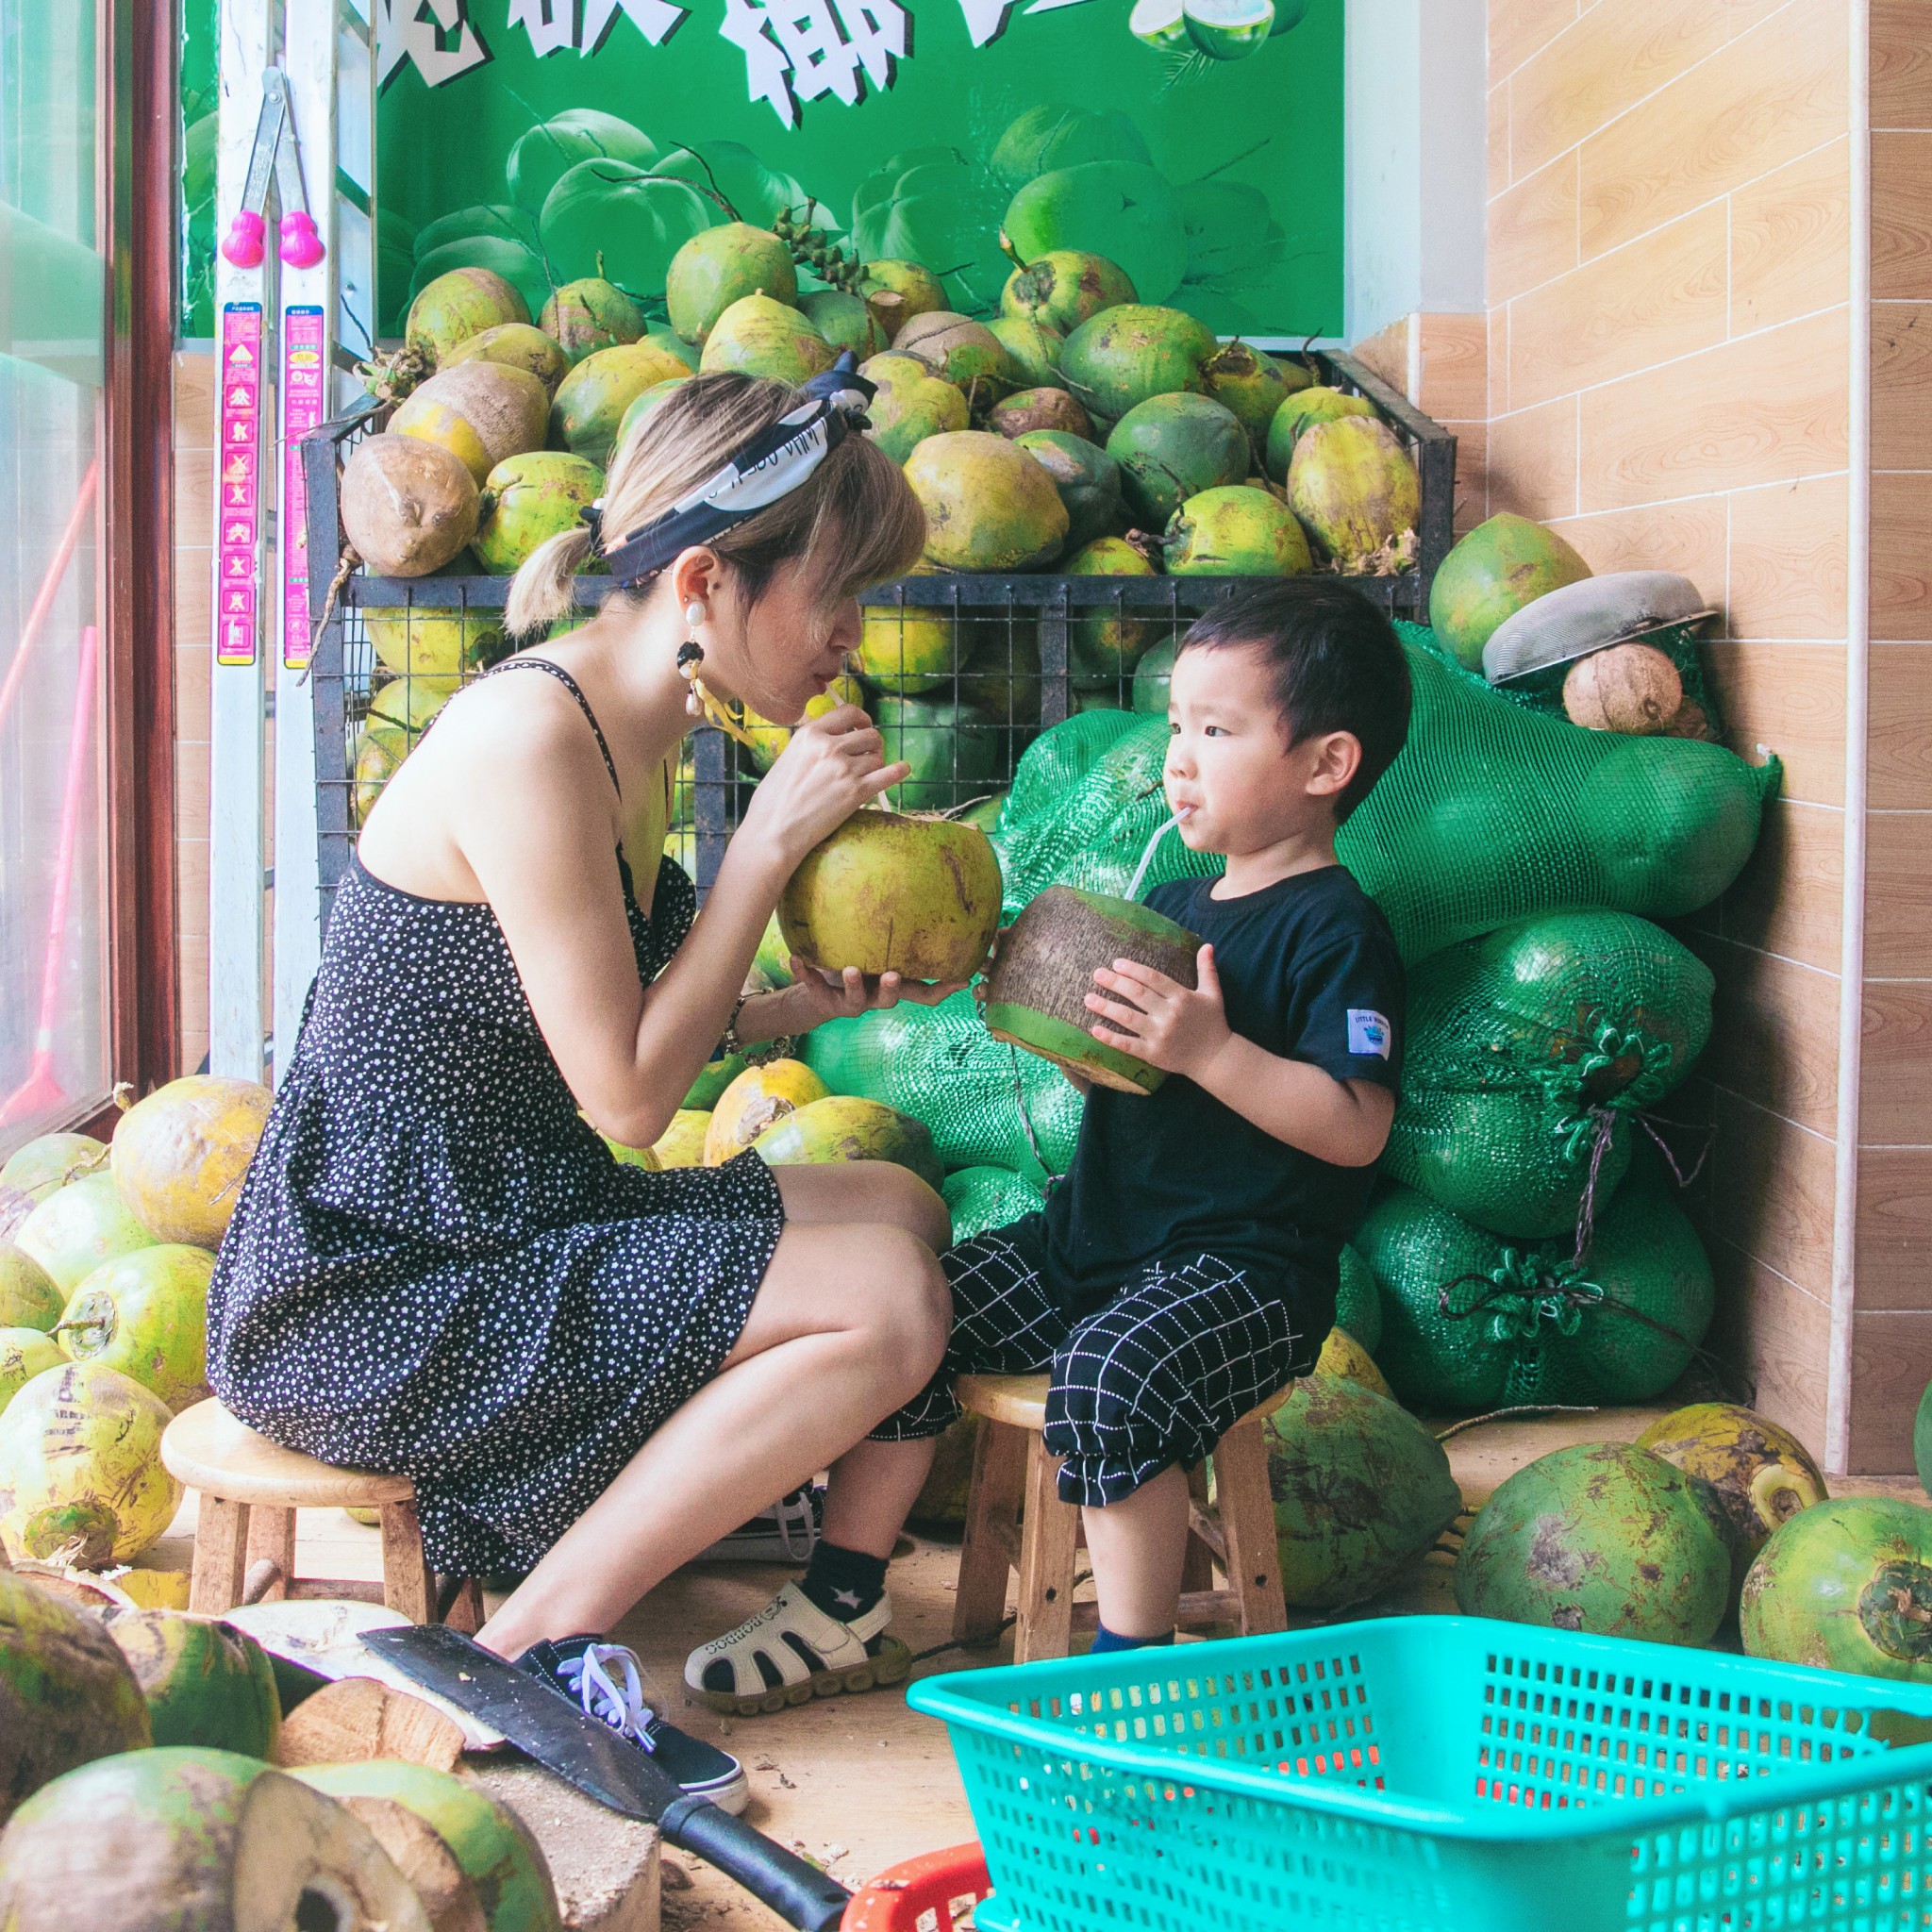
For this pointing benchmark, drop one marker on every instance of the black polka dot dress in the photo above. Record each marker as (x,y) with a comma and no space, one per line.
(436,1268)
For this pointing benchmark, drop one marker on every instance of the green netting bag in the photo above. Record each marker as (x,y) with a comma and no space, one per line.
(984,1104)
(1357,1302)
(1529,1051)
(984,1197)
(1470,1321)
(1493,812)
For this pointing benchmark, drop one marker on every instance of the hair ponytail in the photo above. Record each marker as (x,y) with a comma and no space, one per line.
(541,592)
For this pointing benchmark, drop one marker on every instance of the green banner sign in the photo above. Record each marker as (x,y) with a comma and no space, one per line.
(1197,142)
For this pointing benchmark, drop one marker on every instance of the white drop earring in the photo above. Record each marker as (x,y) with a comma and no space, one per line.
(691,654)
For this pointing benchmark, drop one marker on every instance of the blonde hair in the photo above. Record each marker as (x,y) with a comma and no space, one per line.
(855,522)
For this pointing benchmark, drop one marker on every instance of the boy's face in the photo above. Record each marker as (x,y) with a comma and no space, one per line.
(1230,772)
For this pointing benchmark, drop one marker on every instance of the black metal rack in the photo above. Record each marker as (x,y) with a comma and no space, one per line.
(1029,612)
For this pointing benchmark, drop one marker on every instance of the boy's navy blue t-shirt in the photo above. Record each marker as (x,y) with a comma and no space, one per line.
(1309,972)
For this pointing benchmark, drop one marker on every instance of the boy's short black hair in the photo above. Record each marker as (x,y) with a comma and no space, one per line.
(1336,662)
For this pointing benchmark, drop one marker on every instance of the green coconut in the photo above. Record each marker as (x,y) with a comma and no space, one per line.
(846,320)
(591,314)
(1051,134)
(45,1165)
(1161,24)
(722,266)
(774,960)
(181,1153)
(408,505)
(29,1298)
(515,345)
(380,749)
(1845,1585)
(409,703)
(454,306)
(591,403)
(1353,487)
(1033,349)
(480,412)
(610,219)
(1153,677)
(1033,409)
(906,650)
(1036,994)
(892,894)
(673,344)
(202,1841)
(1126,354)
(989,506)
(428,641)
(958,350)
(505,257)
(204,1683)
(760,336)
(545,152)
(24,1353)
(1254,385)
(1124,211)
(713,1077)
(146,1314)
(67,1696)
(80,1463)
(1362,1492)
(1064,287)
(1228,29)
(1604,1537)
(898,290)
(71,1233)
(1762,1474)
(530,499)
(1300,411)
(1172,447)
(954,750)
(845,1127)
(1103,646)
(1002,680)
(503,1865)
(1089,482)
(911,405)
(642,405)
(1501,566)
(1357,1301)
(1235,531)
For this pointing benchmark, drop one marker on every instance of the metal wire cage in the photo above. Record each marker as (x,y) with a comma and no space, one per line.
(961,673)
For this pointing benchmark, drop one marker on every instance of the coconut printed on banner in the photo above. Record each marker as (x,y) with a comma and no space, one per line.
(1198,144)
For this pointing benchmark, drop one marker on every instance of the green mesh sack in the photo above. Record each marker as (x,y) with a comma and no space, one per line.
(985,1103)
(1491,813)
(1543,690)
(1529,1051)
(1470,1321)
(1357,1302)
(984,1197)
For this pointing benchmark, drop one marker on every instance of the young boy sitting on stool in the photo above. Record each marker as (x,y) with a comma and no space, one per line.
(1185,1269)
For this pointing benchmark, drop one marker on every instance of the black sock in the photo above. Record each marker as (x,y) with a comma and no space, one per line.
(844,1583)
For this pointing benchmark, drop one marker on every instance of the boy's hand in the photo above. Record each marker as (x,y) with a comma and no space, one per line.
(1174,1027)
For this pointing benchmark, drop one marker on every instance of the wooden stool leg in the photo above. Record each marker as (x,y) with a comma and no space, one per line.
(1197,1564)
(1049,1535)
(1247,1526)
(221,1555)
(992,1514)
(271,1540)
(460,1604)
(405,1581)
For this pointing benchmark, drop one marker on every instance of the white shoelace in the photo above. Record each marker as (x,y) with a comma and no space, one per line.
(588,1678)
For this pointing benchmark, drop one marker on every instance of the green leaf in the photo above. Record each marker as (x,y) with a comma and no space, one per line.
(1120,210)
(635,220)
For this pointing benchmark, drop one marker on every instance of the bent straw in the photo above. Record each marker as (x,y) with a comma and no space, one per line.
(44,600)
(40,1091)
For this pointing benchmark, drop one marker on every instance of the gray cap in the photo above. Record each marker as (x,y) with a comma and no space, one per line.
(1624,608)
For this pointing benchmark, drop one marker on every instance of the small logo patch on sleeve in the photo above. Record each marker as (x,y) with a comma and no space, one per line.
(1368,1032)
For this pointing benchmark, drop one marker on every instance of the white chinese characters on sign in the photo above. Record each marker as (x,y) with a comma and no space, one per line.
(438,35)
(798,50)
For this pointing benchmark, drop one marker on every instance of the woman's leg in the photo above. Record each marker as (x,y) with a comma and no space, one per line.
(875,1191)
(849,1323)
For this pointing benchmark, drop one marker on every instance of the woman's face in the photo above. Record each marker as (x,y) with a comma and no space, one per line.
(776,656)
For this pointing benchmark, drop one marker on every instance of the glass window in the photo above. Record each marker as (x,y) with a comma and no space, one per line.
(54,935)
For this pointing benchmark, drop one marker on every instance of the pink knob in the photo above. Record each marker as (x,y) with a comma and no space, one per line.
(242,245)
(301,245)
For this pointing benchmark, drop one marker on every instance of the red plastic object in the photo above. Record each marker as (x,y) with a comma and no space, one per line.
(301,245)
(242,245)
(895,1901)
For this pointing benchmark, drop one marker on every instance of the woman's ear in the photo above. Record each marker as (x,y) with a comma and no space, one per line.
(696,576)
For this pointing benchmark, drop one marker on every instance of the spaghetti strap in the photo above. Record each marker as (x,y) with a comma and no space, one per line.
(576,689)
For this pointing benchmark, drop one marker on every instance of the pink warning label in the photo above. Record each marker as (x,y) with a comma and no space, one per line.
(238,481)
(305,392)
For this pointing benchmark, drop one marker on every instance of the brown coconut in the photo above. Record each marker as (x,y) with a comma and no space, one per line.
(1691,721)
(1041,408)
(408,505)
(1629,687)
(481,412)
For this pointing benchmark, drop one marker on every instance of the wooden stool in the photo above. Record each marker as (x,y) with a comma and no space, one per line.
(250,1491)
(1016,1521)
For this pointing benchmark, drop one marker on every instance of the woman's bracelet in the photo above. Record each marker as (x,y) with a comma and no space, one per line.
(731,1043)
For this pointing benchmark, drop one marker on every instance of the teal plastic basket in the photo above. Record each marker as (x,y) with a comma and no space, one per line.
(1443,1774)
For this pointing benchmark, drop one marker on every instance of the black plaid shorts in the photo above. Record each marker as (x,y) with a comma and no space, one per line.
(1154,1377)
